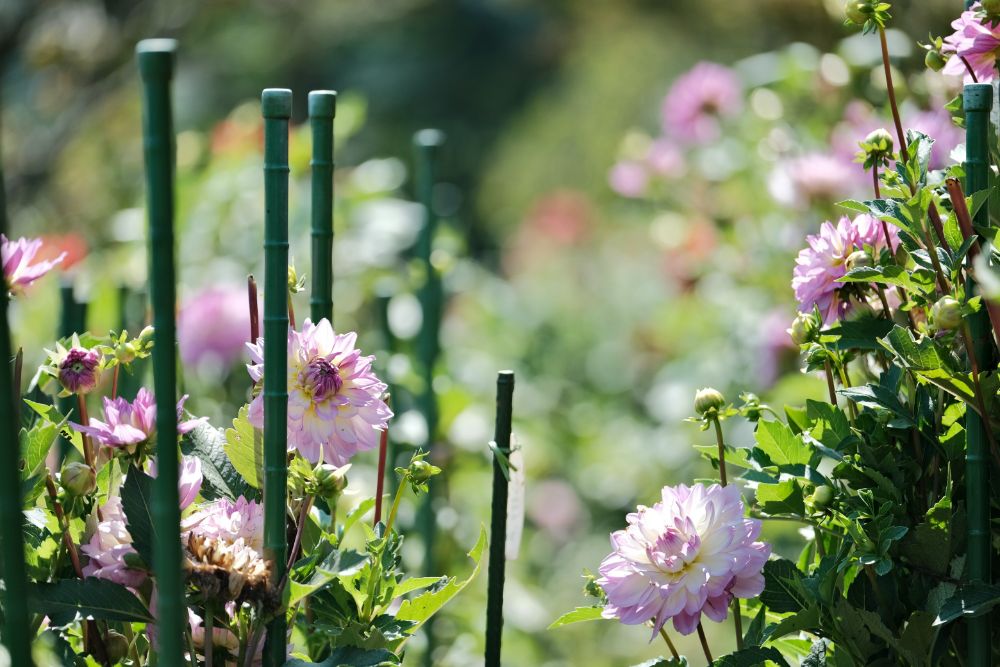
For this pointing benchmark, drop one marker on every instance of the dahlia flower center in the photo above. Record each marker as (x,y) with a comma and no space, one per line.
(673,551)
(321,379)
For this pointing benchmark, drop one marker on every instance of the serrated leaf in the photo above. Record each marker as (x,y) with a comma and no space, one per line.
(35,445)
(783,590)
(91,597)
(422,607)
(807,619)
(137,498)
(751,657)
(338,563)
(244,447)
(781,498)
(781,445)
(578,615)
(860,334)
(221,479)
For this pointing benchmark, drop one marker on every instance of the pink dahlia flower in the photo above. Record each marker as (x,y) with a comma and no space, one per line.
(19,267)
(109,546)
(213,327)
(230,521)
(977,41)
(189,478)
(129,424)
(697,99)
(819,266)
(689,554)
(335,406)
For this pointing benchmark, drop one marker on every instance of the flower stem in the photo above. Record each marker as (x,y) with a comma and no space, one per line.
(209,635)
(738,623)
(63,525)
(829,383)
(88,446)
(395,508)
(383,447)
(670,644)
(891,90)
(254,309)
(704,643)
(114,381)
(722,450)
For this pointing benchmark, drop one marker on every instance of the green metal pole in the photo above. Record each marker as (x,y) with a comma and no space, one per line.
(978,101)
(276,107)
(427,144)
(67,324)
(322,109)
(156,65)
(498,521)
(16,628)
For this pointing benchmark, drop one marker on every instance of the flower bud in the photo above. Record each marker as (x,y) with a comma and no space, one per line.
(77,478)
(857,12)
(708,400)
(947,313)
(127,353)
(822,497)
(79,370)
(804,329)
(935,60)
(880,139)
(116,645)
(858,259)
(331,480)
(421,471)
(295,283)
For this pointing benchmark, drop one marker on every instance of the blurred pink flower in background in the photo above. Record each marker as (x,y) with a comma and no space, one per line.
(696,101)
(108,547)
(20,265)
(665,158)
(814,177)
(189,478)
(776,347)
(689,554)
(936,124)
(977,41)
(629,178)
(213,327)
(555,507)
(335,406)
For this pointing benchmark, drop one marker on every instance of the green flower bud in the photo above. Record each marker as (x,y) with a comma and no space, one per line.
(822,497)
(804,329)
(857,12)
(117,646)
(935,60)
(421,471)
(331,480)
(708,400)
(859,259)
(77,478)
(947,313)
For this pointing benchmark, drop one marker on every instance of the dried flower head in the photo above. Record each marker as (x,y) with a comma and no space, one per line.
(228,570)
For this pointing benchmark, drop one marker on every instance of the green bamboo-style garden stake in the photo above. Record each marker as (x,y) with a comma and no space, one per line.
(322,109)
(16,631)
(978,101)
(498,519)
(156,64)
(427,144)
(276,107)
(72,318)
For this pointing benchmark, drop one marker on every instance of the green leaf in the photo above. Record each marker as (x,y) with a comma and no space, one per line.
(783,590)
(859,334)
(222,480)
(817,655)
(968,601)
(781,498)
(338,563)
(352,657)
(137,498)
(782,446)
(422,607)
(415,584)
(92,597)
(853,205)
(737,456)
(879,397)
(35,445)
(244,447)
(751,657)
(664,662)
(883,275)
(929,544)
(807,619)
(578,615)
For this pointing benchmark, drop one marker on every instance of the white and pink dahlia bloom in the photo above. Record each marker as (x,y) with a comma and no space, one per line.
(335,406)
(189,478)
(976,41)
(19,266)
(689,554)
(229,521)
(127,424)
(109,546)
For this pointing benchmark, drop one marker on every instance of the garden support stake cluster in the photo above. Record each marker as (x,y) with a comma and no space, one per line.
(156,65)
(322,109)
(276,107)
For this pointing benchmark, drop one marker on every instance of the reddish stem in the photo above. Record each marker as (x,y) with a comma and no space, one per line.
(254,309)
(383,446)
(968,68)
(892,92)
(114,382)
(88,446)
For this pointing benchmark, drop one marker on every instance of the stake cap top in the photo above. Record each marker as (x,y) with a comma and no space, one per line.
(156,58)
(977,97)
(322,103)
(276,103)
(505,377)
(429,138)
